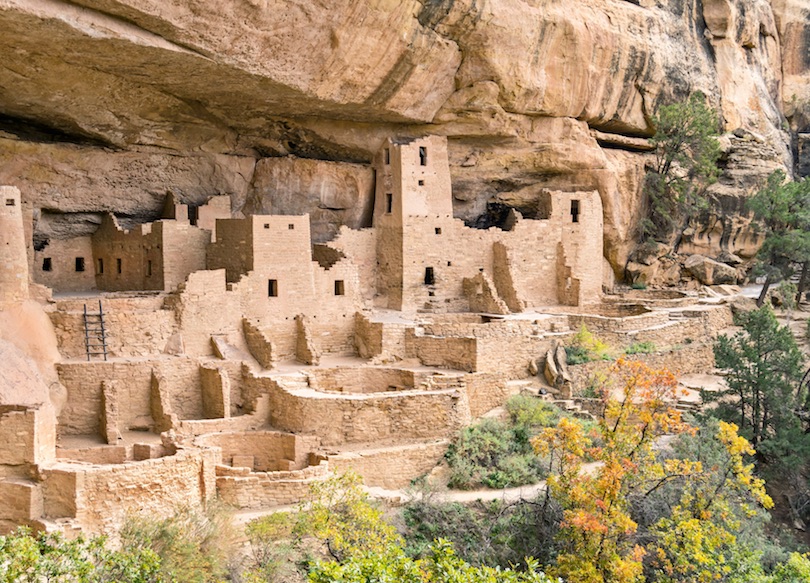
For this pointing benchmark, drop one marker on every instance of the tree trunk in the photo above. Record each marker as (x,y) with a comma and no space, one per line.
(764,293)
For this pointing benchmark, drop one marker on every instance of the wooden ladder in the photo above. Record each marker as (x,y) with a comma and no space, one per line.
(95,333)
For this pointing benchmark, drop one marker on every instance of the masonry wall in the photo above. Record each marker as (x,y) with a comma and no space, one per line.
(181,250)
(81,413)
(61,256)
(27,438)
(13,254)
(391,467)
(104,496)
(240,488)
(233,248)
(136,326)
(271,450)
(369,418)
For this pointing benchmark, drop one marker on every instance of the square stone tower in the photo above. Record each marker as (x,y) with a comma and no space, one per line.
(13,256)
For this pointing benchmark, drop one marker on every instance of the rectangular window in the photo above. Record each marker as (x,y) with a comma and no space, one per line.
(80,264)
(149,268)
(574,211)
(267,225)
(10,202)
(47,264)
(100,266)
(421,183)
(339,289)
(430,278)
(389,203)
(193,215)
(422,156)
(290,226)
(438,230)
(119,265)
(387,156)
(272,288)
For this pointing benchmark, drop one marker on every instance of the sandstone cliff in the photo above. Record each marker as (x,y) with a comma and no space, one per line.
(109,104)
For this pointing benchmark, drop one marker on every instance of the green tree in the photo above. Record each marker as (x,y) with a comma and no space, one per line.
(32,558)
(686,153)
(763,365)
(783,210)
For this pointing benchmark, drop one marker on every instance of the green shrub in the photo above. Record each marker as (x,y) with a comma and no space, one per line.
(641,348)
(494,454)
(577,355)
(531,412)
(193,545)
(638,285)
(585,347)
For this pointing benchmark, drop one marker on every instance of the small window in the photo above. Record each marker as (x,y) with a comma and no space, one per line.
(149,268)
(339,288)
(574,211)
(118,265)
(47,264)
(430,278)
(421,183)
(389,203)
(422,156)
(193,215)
(10,202)
(291,226)
(449,264)
(438,230)
(267,225)
(272,288)
(387,156)
(100,266)
(80,264)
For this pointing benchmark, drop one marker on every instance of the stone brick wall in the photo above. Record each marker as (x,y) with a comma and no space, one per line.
(101,497)
(241,488)
(391,467)
(485,391)
(368,418)
(13,254)
(27,438)
(271,450)
(61,256)
(459,353)
(81,413)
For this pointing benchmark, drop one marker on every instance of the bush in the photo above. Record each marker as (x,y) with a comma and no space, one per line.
(638,285)
(494,454)
(585,347)
(641,348)
(193,545)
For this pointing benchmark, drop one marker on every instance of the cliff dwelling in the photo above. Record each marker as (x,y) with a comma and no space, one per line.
(205,354)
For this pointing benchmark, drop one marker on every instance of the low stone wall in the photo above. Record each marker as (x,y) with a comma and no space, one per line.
(100,498)
(444,352)
(485,391)
(271,451)
(361,379)
(110,454)
(241,488)
(600,323)
(352,418)
(392,467)
(510,355)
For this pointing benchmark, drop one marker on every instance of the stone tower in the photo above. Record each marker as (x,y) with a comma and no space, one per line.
(13,256)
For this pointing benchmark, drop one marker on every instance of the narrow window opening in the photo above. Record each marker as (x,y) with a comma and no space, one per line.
(387,156)
(100,266)
(449,264)
(80,264)
(421,183)
(47,264)
(389,203)
(430,278)
(339,289)
(10,202)
(291,226)
(267,225)
(149,268)
(422,156)
(272,288)
(438,230)
(574,211)
(193,215)
(118,265)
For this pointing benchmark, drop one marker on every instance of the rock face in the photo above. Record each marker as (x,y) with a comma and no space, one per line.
(108,104)
(709,271)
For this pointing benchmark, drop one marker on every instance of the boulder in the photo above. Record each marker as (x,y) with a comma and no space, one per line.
(710,272)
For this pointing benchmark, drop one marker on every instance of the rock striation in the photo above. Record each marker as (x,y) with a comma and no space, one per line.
(107,104)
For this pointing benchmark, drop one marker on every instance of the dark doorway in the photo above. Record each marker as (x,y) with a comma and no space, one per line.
(430,278)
